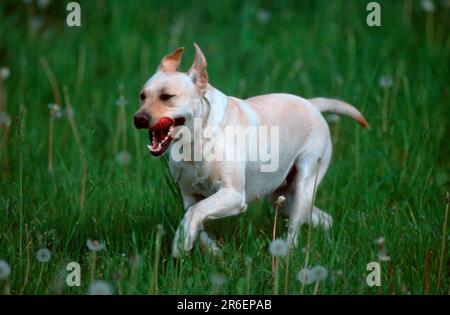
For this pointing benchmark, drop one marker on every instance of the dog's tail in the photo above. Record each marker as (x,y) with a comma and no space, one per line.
(339,107)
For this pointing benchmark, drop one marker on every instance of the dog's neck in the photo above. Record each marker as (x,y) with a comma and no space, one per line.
(212,111)
(213,104)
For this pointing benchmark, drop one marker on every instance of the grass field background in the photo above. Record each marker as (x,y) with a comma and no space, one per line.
(389,181)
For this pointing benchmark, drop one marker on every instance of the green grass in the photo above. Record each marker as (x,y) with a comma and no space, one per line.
(387,183)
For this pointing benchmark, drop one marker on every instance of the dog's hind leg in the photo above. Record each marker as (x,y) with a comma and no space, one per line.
(207,243)
(311,170)
(321,218)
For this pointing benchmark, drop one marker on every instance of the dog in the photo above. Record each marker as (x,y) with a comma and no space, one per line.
(212,189)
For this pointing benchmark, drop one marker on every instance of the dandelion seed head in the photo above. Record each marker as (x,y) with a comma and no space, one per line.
(5,119)
(123,158)
(305,249)
(37,23)
(319,273)
(380,241)
(217,279)
(177,27)
(95,246)
(278,247)
(100,287)
(427,5)
(4,73)
(383,255)
(42,4)
(263,16)
(121,101)
(333,118)
(55,110)
(160,229)
(304,276)
(5,270)
(135,261)
(280,200)
(43,255)
(386,81)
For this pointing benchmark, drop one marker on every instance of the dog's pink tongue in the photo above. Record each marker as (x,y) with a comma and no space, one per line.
(165,122)
(158,129)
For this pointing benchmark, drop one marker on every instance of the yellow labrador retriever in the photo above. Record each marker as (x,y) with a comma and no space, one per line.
(174,103)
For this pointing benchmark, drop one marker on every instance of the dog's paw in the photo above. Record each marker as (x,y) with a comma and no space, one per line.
(208,244)
(321,218)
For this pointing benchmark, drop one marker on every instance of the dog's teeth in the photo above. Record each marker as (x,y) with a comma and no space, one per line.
(149,147)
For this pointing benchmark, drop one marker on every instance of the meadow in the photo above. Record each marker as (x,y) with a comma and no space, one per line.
(77,179)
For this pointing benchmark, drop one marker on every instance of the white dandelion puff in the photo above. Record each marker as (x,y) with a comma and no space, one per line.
(319,273)
(217,279)
(37,23)
(42,4)
(305,277)
(263,16)
(427,5)
(4,73)
(333,118)
(383,255)
(55,110)
(280,200)
(5,270)
(386,81)
(121,101)
(160,229)
(44,255)
(100,287)
(123,158)
(380,241)
(135,261)
(5,119)
(278,247)
(95,246)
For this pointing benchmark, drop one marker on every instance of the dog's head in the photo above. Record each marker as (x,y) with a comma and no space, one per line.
(171,98)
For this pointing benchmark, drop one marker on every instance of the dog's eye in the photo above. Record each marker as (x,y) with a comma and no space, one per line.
(142,96)
(165,97)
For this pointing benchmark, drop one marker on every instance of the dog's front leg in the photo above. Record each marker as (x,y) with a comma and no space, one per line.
(206,242)
(225,202)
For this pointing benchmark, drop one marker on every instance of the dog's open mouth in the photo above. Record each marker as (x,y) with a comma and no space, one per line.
(160,134)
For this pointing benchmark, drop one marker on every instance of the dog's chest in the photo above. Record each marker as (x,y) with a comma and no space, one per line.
(193,177)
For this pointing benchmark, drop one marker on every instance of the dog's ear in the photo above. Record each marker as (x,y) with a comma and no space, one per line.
(198,72)
(171,61)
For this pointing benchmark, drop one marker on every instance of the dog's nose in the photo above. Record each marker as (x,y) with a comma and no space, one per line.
(141,120)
